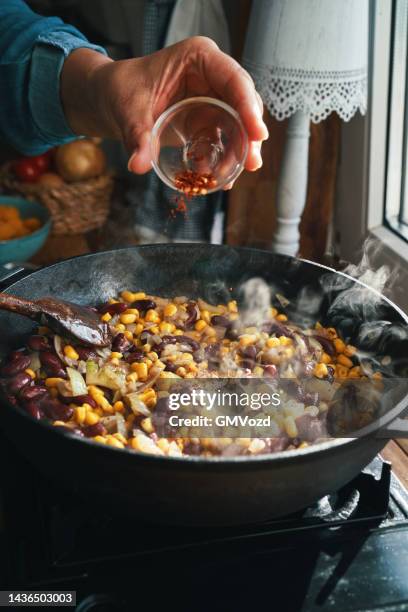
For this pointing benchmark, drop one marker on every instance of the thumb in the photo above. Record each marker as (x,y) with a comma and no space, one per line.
(137,142)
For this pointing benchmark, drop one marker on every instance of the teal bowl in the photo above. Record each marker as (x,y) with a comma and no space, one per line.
(22,249)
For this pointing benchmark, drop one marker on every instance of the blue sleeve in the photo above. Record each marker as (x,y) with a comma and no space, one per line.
(32,53)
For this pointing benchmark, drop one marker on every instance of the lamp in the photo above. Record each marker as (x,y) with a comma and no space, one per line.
(308,58)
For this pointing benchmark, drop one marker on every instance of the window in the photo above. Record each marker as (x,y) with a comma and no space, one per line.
(396,184)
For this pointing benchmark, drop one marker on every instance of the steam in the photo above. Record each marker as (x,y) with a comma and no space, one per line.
(256,301)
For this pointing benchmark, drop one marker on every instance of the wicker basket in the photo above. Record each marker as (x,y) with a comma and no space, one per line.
(75,208)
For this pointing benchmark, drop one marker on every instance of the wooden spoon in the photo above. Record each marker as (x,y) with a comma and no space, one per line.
(62,317)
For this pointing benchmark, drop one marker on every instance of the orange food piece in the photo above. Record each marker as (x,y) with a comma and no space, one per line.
(32,224)
(13,226)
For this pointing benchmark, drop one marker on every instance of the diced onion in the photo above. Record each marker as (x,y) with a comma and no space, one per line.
(78,384)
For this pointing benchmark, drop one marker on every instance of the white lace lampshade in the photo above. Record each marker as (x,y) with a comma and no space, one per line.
(308,58)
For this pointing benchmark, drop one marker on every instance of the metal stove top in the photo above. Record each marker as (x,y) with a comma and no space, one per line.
(348,552)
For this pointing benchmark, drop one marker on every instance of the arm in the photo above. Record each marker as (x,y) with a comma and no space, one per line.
(32,54)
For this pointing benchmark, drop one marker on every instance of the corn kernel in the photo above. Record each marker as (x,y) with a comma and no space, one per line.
(120,437)
(377,376)
(247,339)
(140,369)
(320,370)
(139,295)
(318,325)
(199,326)
(53,381)
(99,439)
(132,377)
(355,372)
(170,310)
(339,345)
(163,444)
(128,335)
(272,342)
(128,296)
(178,332)
(147,425)
(152,316)
(132,311)
(128,319)
(59,424)
(232,306)
(120,327)
(205,315)
(181,371)
(118,406)
(285,341)
(91,418)
(273,312)
(341,371)
(93,390)
(258,371)
(326,358)
(165,327)
(116,355)
(290,427)
(153,356)
(303,445)
(331,332)
(138,329)
(281,317)
(112,441)
(155,329)
(70,352)
(30,372)
(106,317)
(80,414)
(345,361)
(350,350)
(112,301)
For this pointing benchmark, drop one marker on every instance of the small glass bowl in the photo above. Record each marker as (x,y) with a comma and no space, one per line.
(203,135)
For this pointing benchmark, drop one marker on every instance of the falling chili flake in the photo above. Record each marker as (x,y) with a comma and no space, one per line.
(191,183)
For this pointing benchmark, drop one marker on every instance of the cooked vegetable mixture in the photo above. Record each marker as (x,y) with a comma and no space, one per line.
(112,395)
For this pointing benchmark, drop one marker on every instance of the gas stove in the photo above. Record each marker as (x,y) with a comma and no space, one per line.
(348,552)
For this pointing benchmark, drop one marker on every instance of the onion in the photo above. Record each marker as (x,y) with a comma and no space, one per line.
(76,379)
(210,307)
(121,424)
(136,405)
(35,361)
(58,347)
(80,160)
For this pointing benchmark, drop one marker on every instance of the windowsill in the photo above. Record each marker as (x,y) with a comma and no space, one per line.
(394,254)
(396,245)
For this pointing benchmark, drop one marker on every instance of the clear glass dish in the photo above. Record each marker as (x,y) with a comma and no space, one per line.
(199,135)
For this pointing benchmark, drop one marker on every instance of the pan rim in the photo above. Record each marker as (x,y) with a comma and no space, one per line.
(189,460)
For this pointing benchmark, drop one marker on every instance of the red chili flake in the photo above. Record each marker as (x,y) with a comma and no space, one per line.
(191,183)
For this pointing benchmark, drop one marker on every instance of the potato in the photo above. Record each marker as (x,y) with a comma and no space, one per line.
(51,180)
(80,160)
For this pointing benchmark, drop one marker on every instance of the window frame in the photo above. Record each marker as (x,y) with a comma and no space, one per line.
(362,178)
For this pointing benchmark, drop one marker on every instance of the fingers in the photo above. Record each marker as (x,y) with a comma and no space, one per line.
(138,145)
(234,85)
(254,158)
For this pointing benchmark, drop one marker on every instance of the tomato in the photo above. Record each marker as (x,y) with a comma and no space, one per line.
(42,161)
(26,170)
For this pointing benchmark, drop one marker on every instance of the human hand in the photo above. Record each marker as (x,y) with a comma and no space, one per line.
(123,99)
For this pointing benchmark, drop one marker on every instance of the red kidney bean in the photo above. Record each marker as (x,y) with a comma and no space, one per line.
(330,374)
(17,354)
(136,355)
(33,392)
(121,344)
(94,430)
(38,343)
(12,399)
(271,371)
(326,344)
(52,364)
(192,312)
(189,341)
(220,321)
(18,382)
(17,365)
(78,399)
(171,367)
(278,329)
(33,408)
(112,309)
(231,333)
(249,352)
(143,305)
(85,353)
(56,410)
